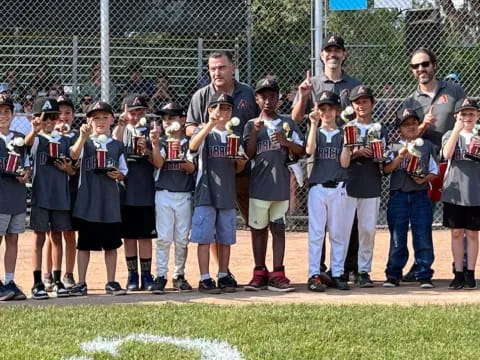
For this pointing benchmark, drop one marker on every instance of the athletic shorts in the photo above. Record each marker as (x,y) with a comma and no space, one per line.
(12,224)
(461,217)
(138,222)
(262,212)
(211,225)
(95,236)
(44,220)
(73,198)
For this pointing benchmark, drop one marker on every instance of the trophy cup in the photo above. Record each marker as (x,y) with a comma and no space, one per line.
(234,149)
(473,149)
(53,147)
(12,167)
(351,135)
(413,164)
(101,151)
(173,145)
(292,159)
(374,134)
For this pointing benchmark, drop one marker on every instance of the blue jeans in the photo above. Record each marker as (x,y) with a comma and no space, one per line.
(412,208)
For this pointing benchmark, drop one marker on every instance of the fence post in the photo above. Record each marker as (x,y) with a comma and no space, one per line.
(74,68)
(317,36)
(105,50)
(199,59)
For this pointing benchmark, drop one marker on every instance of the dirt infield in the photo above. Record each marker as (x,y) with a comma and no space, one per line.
(241,265)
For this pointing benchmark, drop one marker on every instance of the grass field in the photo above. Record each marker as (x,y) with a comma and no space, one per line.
(256,331)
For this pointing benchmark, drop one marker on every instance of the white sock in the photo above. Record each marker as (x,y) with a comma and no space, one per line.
(204,276)
(8,278)
(222,274)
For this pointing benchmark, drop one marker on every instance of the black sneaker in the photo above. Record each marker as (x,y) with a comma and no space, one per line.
(114,288)
(426,284)
(208,286)
(315,284)
(6,293)
(19,295)
(48,282)
(340,283)
(364,280)
(158,286)
(146,281)
(352,276)
(227,284)
(79,289)
(60,290)
(390,283)
(180,284)
(458,281)
(409,277)
(326,278)
(232,279)
(470,282)
(132,281)
(39,292)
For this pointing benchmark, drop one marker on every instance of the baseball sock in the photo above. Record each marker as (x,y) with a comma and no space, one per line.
(8,277)
(56,275)
(37,276)
(132,263)
(146,265)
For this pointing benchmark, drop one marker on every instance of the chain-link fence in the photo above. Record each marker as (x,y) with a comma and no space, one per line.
(159,48)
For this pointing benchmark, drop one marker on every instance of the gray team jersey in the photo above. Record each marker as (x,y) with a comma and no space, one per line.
(461,184)
(215,183)
(171,177)
(326,166)
(139,183)
(364,179)
(443,108)
(270,177)
(400,180)
(13,199)
(321,83)
(50,188)
(244,105)
(98,197)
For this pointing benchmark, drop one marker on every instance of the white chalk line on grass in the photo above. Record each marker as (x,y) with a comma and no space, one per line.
(209,349)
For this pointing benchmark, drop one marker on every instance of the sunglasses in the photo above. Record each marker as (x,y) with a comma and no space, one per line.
(422,64)
(53,117)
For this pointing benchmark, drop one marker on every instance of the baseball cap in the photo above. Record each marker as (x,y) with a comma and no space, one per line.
(466,103)
(6,100)
(99,106)
(45,105)
(334,40)
(135,101)
(221,98)
(172,108)
(359,91)
(63,100)
(267,84)
(452,77)
(404,114)
(328,97)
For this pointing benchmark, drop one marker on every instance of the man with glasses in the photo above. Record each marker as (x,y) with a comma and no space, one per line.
(433,101)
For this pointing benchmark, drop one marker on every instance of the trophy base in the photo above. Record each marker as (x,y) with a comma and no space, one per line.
(103,170)
(237,157)
(380,160)
(10,174)
(417,175)
(176,160)
(355,145)
(136,156)
(472,156)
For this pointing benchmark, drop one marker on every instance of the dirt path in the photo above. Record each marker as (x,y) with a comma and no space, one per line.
(241,265)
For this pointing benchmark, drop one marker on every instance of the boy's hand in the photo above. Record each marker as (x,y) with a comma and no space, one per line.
(363,152)
(403,152)
(214,117)
(155,134)
(279,138)
(65,165)
(258,122)
(115,174)
(37,123)
(314,117)
(86,129)
(122,119)
(458,125)
(419,180)
(241,162)
(23,178)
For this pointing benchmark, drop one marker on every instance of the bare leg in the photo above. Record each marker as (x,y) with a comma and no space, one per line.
(83,258)
(111,264)
(457,248)
(70,251)
(203,253)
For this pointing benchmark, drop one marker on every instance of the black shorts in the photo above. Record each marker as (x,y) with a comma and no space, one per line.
(461,217)
(95,236)
(73,198)
(138,222)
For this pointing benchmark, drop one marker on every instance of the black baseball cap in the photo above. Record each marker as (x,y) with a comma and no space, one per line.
(221,98)
(172,108)
(6,100)
(135,101)
(359,91)
(267,84)
(63,100)
(99,106)
(404,114)
(328,97)
(334,40)
(466,103)
(45,105)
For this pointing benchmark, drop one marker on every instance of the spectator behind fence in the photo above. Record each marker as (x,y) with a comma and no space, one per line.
(41,83)
(164,93)
(22,123)
(17,92)
(93,87)
(85,102)
(137,84)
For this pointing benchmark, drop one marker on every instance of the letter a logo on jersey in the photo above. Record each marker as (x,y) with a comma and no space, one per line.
(242,104)
(47,106)
(443,99)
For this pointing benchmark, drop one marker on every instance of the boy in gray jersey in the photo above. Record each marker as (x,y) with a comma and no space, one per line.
(13,198)
(327,195)
(214,216)
(138,208)
(409,202)
(97,208)
(174,184)
(270,139)
(50,192)
(460,195)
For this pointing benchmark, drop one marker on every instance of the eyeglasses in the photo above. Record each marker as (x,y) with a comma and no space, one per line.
(422,64)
